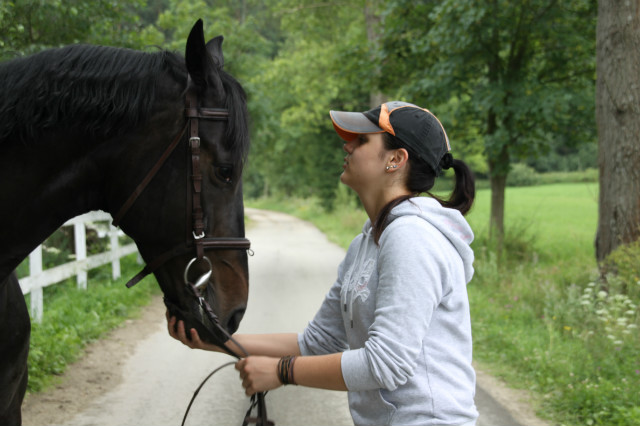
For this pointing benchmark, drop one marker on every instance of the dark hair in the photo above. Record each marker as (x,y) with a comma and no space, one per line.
(421,179)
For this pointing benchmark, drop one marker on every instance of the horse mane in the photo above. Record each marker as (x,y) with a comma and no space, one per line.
(99,91)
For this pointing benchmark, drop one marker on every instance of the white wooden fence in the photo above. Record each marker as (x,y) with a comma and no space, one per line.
(39,278)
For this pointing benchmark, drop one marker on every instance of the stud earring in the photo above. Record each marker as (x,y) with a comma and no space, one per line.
(394,166)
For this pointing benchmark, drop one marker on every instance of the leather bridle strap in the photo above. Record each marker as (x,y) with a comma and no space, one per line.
(143,184)
(205,244)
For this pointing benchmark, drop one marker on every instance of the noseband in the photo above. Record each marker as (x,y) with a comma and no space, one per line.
(196,240)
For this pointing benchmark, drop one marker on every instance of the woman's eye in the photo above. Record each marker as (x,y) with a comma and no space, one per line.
(224,173)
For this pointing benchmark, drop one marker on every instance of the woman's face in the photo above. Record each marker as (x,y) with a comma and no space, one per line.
(365,162)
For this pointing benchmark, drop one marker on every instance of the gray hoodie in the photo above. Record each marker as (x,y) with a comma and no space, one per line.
(400,313)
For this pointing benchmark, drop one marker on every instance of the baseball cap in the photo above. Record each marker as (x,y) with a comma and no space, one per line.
(418,128)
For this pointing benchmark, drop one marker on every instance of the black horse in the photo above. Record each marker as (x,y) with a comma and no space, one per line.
(156,139)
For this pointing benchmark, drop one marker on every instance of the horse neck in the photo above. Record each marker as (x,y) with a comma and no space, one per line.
(45,184)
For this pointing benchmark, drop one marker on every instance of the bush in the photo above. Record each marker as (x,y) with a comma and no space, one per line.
(587,175)
(603,318)
(624,263)
(522,175)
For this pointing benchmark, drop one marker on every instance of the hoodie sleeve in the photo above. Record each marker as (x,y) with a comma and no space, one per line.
(326,334)
(412,278)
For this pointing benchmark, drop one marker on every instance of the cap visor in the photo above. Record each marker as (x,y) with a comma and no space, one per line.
(349,125)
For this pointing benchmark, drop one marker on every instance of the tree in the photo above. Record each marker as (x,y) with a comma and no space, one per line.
(28,26)
(513,74)
(323,61)
(618,119)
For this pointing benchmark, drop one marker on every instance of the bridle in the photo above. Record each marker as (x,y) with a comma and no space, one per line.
(196,240)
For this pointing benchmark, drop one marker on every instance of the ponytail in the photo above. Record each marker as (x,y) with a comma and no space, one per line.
(464,192)
(421,179)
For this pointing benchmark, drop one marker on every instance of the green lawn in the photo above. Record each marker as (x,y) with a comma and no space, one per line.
(561,217)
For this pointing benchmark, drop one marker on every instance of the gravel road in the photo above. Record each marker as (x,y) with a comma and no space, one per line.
(139,375)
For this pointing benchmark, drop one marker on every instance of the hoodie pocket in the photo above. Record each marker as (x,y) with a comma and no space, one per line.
(371,408)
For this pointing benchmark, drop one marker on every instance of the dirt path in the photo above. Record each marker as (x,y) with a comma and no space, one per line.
(105,370)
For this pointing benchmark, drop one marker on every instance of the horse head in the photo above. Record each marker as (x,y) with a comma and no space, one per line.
(188,218)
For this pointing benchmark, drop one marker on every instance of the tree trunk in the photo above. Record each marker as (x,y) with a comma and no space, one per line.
(498,181)
(618,120)
(496,226)
(374,28)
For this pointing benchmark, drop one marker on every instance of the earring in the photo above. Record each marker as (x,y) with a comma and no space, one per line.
(394,166)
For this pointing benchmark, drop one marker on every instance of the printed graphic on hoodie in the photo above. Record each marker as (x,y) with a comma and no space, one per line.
(357,286)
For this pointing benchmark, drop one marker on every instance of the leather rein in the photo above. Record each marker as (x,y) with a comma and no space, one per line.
(196,240)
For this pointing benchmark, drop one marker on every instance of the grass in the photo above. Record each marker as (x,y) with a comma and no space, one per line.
(72,318)
(561,218)
(541,319)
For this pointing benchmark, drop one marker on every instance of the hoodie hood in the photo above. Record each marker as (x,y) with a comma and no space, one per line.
(449,222)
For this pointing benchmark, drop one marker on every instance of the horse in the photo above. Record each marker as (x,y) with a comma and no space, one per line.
(157,139)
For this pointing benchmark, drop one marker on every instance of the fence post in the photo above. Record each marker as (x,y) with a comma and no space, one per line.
(80,237)
(115,252)
(35,269)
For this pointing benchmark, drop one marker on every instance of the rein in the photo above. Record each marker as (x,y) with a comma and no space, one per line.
(257,399)
(197,240)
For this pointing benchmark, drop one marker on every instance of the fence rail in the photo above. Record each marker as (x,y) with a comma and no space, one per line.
(39,278)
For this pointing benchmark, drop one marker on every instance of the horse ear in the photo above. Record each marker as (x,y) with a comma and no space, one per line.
(199,57)
(214,47)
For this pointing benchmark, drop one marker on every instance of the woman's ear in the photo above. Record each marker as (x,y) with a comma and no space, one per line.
(399,158)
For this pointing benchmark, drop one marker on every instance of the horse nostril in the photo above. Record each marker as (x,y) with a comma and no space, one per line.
(234,320)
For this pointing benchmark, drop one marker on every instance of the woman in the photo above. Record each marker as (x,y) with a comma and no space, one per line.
(394,330)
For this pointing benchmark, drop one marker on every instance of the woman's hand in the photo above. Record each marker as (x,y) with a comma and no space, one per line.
(258,374)
(178,332)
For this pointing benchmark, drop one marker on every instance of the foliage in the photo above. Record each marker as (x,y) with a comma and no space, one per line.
(566,158)
(528,63)
(624,264)
(522,175)
(295,150)
(28,26)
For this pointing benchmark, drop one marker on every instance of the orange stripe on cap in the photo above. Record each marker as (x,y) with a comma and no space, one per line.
(383,120)
(344,134)
(446,138)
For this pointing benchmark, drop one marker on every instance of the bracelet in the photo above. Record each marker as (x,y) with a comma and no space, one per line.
(285,370)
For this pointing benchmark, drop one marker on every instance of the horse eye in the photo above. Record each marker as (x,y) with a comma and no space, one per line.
(224,172)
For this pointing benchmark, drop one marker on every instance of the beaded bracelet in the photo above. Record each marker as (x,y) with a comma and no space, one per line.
(285,370)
